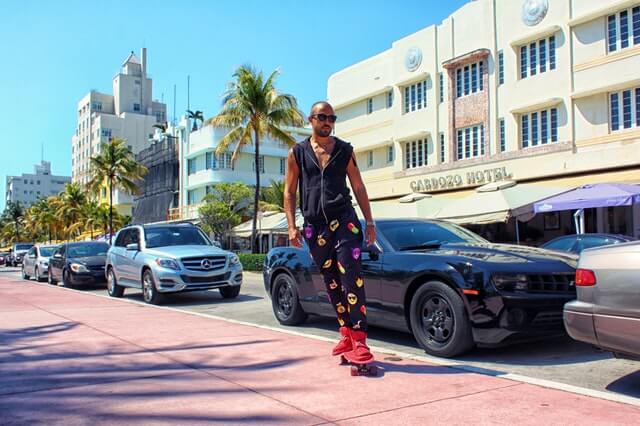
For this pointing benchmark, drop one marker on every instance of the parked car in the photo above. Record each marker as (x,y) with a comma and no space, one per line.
(448,286)
(607,311)
(80,263)
(17,252)
(36,262)
(3,257)
(578,242)
(162,259)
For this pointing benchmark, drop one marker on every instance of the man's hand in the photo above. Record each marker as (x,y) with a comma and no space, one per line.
(295,237)
(370,235)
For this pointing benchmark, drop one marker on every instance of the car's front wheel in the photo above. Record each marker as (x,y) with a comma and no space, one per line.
(439,320)
(37,274)
(229,292)
(113,288)
(285,301)
(66,278)
(149,291)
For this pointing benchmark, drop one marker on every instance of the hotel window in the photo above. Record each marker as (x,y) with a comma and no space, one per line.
(370,159)
(106,133)
(282,165)
(211,161)
(441,88)
(191,197)
(442,148)
(415,96)
(469,79)
(538,57)
(369,105)
(390,99)
(390,154)
(539,127)
(470,142)
(624,109)
(260,163)
(136,107)
(224,161)
(191,166)
(501,67)
(503,138)
(623,29)
(96,106)
(415,154)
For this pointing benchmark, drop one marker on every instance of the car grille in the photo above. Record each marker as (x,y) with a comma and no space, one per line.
(189,279)
(547,319)
(96,267)
(551,283)
(196,263)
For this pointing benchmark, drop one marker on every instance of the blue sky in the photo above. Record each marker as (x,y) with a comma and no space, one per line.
(53,53)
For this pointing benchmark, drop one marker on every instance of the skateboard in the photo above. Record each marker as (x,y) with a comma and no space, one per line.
(367,369)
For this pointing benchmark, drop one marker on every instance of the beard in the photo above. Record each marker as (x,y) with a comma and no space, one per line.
(324,131)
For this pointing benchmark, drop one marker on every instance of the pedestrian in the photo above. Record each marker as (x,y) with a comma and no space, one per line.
(319,166)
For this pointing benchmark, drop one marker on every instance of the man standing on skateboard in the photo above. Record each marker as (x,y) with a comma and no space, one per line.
(319,166)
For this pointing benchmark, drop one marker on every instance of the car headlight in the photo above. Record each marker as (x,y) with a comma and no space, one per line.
(234,259)
(167,263)
(511,282)
(78,267)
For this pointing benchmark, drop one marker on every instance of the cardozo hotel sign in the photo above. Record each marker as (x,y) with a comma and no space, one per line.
(459,180)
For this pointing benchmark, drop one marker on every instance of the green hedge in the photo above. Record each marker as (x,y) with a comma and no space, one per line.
(252,262)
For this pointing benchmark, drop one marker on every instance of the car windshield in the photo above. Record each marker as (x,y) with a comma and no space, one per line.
(90,249)
(175,236)
(47,251)
(416,234)
(23,246)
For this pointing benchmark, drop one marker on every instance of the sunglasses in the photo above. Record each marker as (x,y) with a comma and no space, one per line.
(324,117)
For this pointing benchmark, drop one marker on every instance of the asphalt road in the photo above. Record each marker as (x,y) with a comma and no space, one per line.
(560,360)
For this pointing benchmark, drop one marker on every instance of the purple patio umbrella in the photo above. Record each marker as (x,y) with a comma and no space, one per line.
(590,196)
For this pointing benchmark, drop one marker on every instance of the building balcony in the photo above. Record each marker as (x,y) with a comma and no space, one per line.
(209,177)
(608,73)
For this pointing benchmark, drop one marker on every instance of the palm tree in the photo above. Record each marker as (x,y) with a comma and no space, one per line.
(195,116)
(273,197)
(253,108)
(91,215)
(40,218)
(71,207)
(162,126)
(116,166)
(14,215)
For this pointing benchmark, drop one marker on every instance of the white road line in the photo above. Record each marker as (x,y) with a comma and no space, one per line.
(423,358)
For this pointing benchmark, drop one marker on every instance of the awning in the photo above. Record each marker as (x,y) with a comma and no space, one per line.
(424,206)
(497,202)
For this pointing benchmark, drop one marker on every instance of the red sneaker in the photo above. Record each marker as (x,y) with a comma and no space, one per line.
(344,345)
(360,353)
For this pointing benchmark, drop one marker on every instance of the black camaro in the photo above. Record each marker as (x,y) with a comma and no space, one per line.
(449,287)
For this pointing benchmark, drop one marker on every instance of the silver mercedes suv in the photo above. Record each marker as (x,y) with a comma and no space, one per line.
(161,259)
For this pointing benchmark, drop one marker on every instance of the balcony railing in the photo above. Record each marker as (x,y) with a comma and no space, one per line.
(183,213)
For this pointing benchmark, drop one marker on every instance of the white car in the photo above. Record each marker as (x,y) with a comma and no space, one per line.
(36,262)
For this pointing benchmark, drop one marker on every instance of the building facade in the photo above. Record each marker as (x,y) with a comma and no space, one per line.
(30,187)
(129,113)
(201,167)
(543,91)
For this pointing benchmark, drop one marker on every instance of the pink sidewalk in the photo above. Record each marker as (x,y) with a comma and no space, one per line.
(73,358)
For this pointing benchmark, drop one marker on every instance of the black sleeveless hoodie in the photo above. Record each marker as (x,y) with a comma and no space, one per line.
(324,194)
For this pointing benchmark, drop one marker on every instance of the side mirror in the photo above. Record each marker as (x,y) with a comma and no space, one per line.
(133,247)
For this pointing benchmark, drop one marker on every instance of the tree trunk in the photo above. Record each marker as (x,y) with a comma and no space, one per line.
(110,209)
(256,198)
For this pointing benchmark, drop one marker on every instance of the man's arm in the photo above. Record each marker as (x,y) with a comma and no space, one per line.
(360,191)
(290,189)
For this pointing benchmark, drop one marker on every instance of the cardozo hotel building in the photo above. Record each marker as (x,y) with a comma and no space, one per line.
(543,92)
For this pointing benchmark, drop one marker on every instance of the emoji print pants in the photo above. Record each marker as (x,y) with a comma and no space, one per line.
(336,247)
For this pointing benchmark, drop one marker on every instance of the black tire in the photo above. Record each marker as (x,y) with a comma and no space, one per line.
(229,292)
(285,302)
(24,274)
(439,320)
(50,279)
(150,292)
(37,275)
(66,279)
(113,288)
